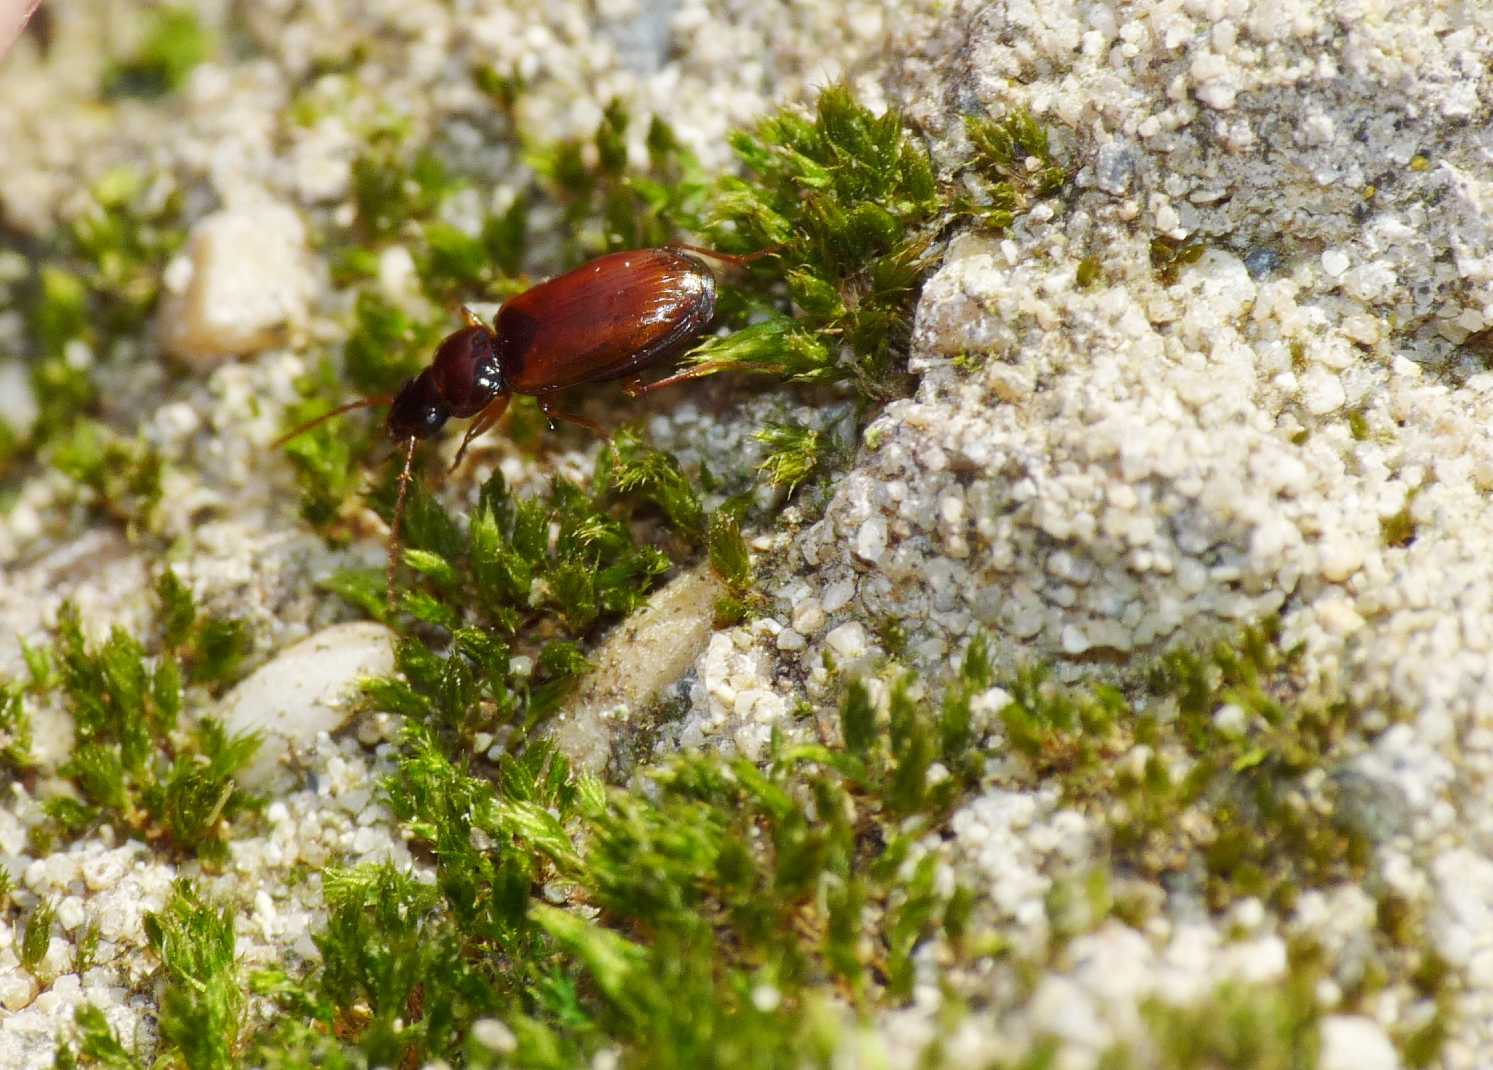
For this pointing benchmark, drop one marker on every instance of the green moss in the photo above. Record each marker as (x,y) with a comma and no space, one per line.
(174,42)
(392,188)
(611,204)
(202,1007)
(95,283)
(1263,1027)
(723,895)
(123,237)
(1398,529)
(1169,256)
(134,766)
(501,571)
(15,730)
(842,201)
(385,346)
(60,312)
(1015,157)
(119,477)
(631,469)
(37,935)
(502,88)
(1258,829)
(97,1045)
(1088,273)
(1078,904)
(795,453)
(729,556)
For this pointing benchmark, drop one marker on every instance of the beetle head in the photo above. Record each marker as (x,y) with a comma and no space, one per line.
(418,411)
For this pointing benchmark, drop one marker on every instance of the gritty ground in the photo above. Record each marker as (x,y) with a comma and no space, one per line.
(1090,472)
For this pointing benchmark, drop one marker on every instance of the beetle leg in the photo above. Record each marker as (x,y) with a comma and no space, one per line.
(636,388)
(404,486)
(489,415)
(547,406)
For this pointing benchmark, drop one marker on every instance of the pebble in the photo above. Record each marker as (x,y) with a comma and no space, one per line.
(17,989)
(848,641)
(494,1035)
(1353,1042)
(870,540)
(1335,262)
(18,405)
(644,654)
(303,692)
(243,281)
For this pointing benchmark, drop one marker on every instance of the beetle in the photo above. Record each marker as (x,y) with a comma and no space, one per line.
(608,319)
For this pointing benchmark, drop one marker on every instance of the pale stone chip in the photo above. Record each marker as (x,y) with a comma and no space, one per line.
(242,282)
(303,692)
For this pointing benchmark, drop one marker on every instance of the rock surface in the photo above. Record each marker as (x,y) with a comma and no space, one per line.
(1089,473)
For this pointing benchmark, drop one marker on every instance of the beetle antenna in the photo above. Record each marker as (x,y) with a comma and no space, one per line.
(317,421)
(404,486)
(730,258)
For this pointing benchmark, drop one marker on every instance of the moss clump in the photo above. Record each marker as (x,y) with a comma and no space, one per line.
(118,477)
(729,556)
(1398,529)
(202,1007)
(202,998)
(1016,159)
(37,935)
(1169,256)
(795,453)
(1264,1027)
(174,42)
(15,730)
(95,281)
(393,188)
(721,897)
(96,1044)
(134,765)
(505,571)
(1225,743)
(610,203)
(842,200)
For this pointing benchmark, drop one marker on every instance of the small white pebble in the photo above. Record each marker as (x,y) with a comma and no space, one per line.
(837,595)
(70,913)
(870,540)
(246,279)
(848,641)
(1334,262)
(1073,639)
(1231,720)
(766,998)
(17,989)
(494,1036)
(1354,1042)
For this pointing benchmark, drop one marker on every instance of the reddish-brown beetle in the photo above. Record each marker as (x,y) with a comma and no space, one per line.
(610,318)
